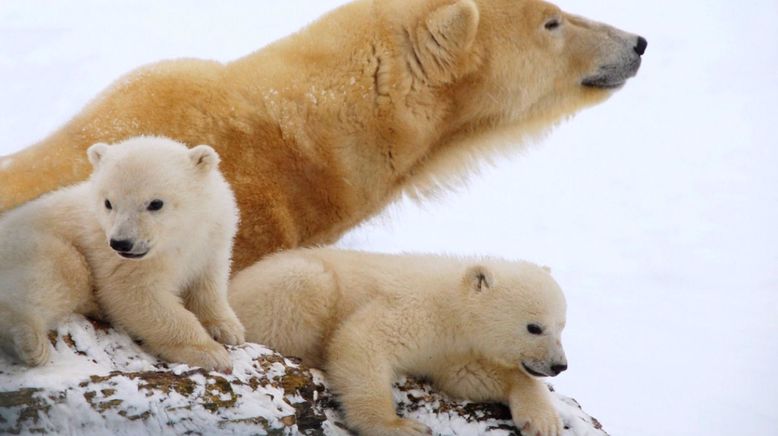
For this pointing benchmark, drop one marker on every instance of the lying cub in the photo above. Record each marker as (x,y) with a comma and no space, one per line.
(480,329)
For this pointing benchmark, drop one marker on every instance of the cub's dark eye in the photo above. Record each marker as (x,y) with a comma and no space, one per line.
(534,329)
(108,205)
(155,205)
(552,24)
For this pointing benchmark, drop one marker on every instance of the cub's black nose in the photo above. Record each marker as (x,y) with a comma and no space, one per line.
(556,369)
(121,246)
(641,47)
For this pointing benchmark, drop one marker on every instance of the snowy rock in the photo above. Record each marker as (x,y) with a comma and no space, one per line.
(100,382)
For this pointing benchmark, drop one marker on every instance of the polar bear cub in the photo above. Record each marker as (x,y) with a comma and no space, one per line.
(149,235)
(480,329)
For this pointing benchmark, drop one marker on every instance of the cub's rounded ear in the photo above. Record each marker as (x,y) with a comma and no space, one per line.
(546,268)
(96,152)
(204,158)
(478,278)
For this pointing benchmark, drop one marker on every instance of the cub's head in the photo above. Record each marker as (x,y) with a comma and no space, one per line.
(148,193)
(518,314)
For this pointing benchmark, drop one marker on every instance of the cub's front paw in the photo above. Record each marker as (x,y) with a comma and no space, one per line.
(210,355)
(538,422)
(227,330)
(31,345)
(400,427)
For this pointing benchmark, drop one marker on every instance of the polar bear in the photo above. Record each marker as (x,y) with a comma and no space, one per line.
(480,329)
(322,129)
(149,234)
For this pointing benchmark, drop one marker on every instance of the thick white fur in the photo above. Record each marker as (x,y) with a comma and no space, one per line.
(367,317)
(55,256)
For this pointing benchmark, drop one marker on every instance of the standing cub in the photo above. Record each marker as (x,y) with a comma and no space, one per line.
(480,329)
(149,234)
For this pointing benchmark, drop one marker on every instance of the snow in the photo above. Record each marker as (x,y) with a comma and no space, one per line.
(105,387)
(117,388)
(656,210)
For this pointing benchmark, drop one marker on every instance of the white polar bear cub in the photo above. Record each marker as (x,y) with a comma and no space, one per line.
(480,329)
(149,235)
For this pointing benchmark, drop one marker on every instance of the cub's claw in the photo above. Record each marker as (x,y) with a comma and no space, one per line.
(210,356)
(227,331)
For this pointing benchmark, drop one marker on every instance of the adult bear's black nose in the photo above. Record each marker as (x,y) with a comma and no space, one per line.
(556,369)
(122,246)
(641,47)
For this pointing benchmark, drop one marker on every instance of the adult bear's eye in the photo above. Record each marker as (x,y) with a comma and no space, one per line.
(108,204)
(534,329)
(552,24)
(155,205)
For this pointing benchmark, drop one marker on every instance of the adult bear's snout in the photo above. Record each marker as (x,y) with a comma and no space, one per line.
(558,368)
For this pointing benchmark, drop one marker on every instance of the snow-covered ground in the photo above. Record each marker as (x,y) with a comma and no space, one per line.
(656,210)
(101,382)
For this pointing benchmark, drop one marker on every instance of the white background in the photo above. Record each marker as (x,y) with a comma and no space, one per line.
(657,210)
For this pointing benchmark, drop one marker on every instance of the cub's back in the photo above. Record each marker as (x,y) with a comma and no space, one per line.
(63,214)
(377,275)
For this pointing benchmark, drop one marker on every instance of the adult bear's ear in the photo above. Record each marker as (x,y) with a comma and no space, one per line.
(204,158)
(444,39)
(479,278)
(96,152)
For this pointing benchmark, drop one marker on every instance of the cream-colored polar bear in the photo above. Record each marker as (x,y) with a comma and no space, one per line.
(480,329)
(149,234)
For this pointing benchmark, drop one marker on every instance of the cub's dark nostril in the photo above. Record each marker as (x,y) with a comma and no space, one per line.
(121,246)
(641,47)
(556,369)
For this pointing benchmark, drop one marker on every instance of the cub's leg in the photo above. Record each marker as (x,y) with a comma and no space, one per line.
(43,280)
(288,303)
(528,398)
(361,373)
(25,336)
(207,299)
(531,407)
(153,313)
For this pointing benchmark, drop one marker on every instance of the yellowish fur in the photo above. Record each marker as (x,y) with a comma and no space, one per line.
(367,317)
(324,128)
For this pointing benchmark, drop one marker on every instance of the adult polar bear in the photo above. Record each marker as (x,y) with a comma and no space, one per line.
(322,129)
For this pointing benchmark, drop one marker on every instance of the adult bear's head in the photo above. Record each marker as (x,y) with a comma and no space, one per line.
(505,68)
(513,56)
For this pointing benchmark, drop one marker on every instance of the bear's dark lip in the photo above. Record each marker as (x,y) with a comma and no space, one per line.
(128,255)
(613,76)
(602,83)
(531,371)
